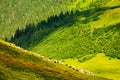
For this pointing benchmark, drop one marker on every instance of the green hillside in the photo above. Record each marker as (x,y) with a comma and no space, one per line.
(100,65)
(16,14)
(17,63)
(77,36)
(82,33)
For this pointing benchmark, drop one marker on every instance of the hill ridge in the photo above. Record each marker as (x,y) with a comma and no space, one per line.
(18,60)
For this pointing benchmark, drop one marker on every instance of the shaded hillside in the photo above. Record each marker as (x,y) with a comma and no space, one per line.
(32,34)
(80,33)
(64,30)
(94,32)
(17,63)
(19,13)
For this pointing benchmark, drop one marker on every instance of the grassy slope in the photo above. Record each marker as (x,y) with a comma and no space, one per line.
(100,36)
(77,41)
(100,65)
(18,14)
(17,63)
(82,38)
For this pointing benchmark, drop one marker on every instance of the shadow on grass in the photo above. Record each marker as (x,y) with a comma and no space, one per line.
(110,40)
(33,34)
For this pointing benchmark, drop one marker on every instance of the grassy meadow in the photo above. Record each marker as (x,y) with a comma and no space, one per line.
(81,33)
(83,37)
(100,65)
(17,63)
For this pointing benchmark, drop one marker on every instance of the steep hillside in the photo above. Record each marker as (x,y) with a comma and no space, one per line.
(16,14)
(100,64)
(19,13)
(17,63)
(81,33)
(77,36)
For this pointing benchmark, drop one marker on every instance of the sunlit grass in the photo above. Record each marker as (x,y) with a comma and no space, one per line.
(109,17)
(16,63)
(100,65)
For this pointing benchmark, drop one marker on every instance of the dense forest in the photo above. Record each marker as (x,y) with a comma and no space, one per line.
(26,23)
(18,14)
(99,41)
(82,34)
(43,28)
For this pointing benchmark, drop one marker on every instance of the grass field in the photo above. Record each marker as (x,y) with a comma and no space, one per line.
(82,33)
(84,37)
(17,63)
(100,65)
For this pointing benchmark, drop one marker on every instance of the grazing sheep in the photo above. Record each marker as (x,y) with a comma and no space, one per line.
(61,62)
(12,44)
(55,61)
(49,60)
(37,55)
(25,50)
(90,73)
(86,71)
(82,71)
(18,47)
(42,57)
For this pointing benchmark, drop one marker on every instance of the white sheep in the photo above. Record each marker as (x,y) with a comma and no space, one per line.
(41,57)
(61,62)
(25,50)
(55,61)
(90,73)
(73,67)
(82,71)
(49,60)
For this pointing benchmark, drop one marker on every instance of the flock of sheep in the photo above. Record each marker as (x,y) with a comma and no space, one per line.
(83,71)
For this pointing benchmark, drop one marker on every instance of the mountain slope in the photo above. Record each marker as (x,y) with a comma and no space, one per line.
(95,30)
(73,43)
(18,14)
(17,63)
(90,28)
(85,36)
(100,64)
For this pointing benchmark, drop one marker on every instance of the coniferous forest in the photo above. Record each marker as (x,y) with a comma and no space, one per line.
(60,39)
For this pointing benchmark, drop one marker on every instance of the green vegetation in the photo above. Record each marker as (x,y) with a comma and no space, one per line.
(75,31)
(100,65)
(78,33)
(19,13)
(78,39)
(16,14)
(17,63)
